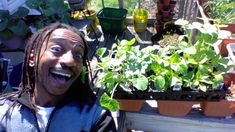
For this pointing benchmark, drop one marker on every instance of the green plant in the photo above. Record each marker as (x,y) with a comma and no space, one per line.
(191,65)
(188,66)
(124,68)
(222,11)
(51,11)
(13,25)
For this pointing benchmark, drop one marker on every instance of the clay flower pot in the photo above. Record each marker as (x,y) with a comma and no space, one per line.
(166,2)
(221,108)
(229,27)
(229,79)
(174,108)
(158,26)
(130,105)
(223,46)
(172,4)
(159,7)
(165,13)
(158,17)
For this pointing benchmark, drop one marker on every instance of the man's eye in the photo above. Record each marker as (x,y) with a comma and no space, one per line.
(78,55)
(56,49)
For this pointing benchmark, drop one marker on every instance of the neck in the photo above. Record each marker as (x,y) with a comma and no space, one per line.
(45,100)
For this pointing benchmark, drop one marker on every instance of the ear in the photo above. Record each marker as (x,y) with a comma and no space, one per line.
(31,59)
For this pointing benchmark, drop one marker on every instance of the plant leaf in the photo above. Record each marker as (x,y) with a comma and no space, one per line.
(3,24)
(141,82)
(110,104)
(20,29)
(101,51)
(20,13)
(159,82)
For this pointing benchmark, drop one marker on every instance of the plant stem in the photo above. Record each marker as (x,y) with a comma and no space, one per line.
(114,90)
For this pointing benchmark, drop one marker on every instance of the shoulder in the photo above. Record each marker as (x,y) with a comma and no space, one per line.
(94,108)
(6,101)
(5,104)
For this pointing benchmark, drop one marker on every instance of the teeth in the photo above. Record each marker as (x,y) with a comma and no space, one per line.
(62,74)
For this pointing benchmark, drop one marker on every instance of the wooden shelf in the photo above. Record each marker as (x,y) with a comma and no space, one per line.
(148,119)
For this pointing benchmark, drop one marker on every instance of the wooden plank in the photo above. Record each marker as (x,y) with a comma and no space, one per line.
(148,119)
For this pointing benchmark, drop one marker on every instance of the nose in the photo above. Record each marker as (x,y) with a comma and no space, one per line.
(67,59)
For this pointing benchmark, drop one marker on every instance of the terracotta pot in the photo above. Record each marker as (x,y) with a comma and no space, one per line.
(172,4)
(174,108)
(158,27)
(223,46)
(171,16)
(229,27)
(202,1)
(229,79)
(221,108)
(165,13)
(166,2)
(159,7)
(130,105)
(158,17)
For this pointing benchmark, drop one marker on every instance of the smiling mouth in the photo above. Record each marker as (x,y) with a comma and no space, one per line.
(60,75)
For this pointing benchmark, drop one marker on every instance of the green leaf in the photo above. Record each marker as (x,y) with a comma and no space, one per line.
(4,14)
(218,78)
(3,24)
(34,4)
(141,82)
(131,42)
(20,29)
(101,51)
(159,82)
(182,68)
(203,88)
(20,13)
(110,104)
(175,81)
(6,35)
(190,50)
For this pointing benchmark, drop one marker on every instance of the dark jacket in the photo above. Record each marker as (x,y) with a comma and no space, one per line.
(67,118)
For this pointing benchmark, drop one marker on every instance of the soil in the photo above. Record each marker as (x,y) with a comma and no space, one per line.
(169,40)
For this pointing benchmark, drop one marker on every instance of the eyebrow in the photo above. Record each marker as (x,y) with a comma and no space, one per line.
(74,43)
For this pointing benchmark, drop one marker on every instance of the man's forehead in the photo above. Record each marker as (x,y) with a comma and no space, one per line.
(67,34)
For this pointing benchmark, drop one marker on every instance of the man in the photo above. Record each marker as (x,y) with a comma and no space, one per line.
(55,93)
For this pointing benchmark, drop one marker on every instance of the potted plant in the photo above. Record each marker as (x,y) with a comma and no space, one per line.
(194,69)
(51,11)
(222,14)
(123,73)
(13,27)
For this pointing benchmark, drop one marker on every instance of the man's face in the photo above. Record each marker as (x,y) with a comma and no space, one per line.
(60,63)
